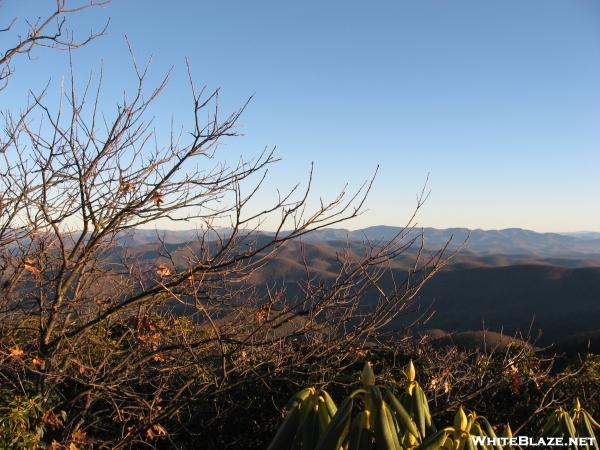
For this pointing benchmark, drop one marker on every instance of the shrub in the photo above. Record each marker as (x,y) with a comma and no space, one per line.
(372,416)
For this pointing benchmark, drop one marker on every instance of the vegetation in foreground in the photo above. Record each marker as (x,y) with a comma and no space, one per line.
(513,385)
(372,416)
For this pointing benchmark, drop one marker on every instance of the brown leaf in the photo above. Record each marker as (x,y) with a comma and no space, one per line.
(156,431)
(36,361)
(29,265)
(126,186)
(15,351)
(157,198)
(81,368)
(51,420)
(79,437)
(158,357)
(262,314)
(163,271)
(433,383)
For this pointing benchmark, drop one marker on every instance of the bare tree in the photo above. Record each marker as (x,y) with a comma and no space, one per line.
(96,331)
(50,32)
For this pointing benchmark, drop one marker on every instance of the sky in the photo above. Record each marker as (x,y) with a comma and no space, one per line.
(496,103)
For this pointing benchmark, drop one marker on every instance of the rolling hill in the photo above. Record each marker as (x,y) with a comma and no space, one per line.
(545,285)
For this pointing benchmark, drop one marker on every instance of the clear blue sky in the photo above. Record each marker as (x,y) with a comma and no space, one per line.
(499,101)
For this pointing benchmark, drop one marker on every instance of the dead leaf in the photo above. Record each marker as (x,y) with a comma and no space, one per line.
(29,265)
(15,351)
(156,431)
(79,437)
(51,420)
(262,314)
(126,186)
(157,198)
(446,387)
(158,357)
(81,368)
(37,361)
(163,271)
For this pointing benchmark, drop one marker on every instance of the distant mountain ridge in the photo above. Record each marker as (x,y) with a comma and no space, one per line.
(504,280)
(510,241)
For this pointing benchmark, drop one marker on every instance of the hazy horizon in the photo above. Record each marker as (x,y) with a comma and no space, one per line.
(350,228)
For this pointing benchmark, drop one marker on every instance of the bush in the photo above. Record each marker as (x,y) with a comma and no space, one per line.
(376,416)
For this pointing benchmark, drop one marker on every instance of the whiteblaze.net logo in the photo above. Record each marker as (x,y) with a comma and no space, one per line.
(528,441)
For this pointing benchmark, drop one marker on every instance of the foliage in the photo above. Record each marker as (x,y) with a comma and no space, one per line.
(372,417)
(245,412)
(27,421)
(19,422)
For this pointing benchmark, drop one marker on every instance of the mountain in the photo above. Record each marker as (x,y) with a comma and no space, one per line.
(542,285)
(472,340)
(507,242)
(511,241)
(583,234)
(548,301)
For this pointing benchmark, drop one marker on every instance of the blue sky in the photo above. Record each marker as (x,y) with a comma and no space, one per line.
(498,101)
